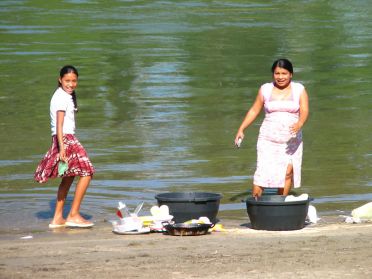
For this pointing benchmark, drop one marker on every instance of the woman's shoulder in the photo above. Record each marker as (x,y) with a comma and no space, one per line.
(297,89)
(267,86)
(266,90)
(297,86)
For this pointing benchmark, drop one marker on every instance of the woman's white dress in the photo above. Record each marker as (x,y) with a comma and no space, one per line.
(276,146)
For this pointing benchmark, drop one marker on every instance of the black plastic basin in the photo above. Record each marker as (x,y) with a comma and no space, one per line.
(272,213)
(185,206)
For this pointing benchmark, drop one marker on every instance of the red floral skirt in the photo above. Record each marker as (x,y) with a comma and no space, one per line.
(78,161)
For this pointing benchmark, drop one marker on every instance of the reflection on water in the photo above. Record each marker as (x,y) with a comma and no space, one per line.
(163,88)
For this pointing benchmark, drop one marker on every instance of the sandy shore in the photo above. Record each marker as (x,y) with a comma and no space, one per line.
(325,250)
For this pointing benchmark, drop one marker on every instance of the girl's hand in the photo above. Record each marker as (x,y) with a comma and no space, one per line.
(62,155)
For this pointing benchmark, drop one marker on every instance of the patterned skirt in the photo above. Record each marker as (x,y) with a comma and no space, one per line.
(78,161)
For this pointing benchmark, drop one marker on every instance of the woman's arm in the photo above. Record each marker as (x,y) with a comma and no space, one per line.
(60,118)
(251,115)
(304,113)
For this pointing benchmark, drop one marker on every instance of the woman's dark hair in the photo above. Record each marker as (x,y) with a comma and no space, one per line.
(66,70)
(282,63)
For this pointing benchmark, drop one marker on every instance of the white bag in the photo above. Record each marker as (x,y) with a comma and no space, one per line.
(363,212)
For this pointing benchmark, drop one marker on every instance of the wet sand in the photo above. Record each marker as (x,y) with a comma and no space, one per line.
(331,249)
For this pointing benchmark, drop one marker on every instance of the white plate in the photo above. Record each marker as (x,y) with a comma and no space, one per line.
(164,218)
(141,231)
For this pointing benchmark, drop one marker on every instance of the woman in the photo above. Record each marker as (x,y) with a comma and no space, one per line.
(279,145)
(66,148)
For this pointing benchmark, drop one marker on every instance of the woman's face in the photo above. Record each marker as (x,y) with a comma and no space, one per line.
(69,82)
(282,77)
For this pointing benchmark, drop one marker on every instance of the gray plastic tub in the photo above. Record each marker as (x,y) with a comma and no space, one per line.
(185,206)
(272,213)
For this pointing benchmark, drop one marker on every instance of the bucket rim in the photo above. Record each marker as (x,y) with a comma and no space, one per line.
(188,197)
(252,201)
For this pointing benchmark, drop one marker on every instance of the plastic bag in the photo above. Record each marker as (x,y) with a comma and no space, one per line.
(62,168)
(363,212)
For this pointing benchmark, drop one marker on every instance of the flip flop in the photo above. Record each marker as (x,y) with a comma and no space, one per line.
(79,225)
(55,226)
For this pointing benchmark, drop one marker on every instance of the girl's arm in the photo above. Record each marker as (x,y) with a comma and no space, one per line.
(60,118)
(251,115)
(304,113)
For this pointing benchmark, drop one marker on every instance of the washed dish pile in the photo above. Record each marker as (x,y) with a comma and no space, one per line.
(131,223)
(159,221)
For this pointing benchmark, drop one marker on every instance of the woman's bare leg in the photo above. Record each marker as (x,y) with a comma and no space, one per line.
(63,189)
(288,182)
(80,191)
(257,191)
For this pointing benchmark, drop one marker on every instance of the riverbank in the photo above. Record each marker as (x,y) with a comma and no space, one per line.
(329,249)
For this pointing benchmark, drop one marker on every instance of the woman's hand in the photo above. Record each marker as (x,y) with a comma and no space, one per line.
(238,138)
(295,128)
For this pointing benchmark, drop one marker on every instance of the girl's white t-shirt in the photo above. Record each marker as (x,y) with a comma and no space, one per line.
(61,100)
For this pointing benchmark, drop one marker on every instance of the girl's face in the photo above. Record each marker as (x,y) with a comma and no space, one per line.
(282,77)
(69,82)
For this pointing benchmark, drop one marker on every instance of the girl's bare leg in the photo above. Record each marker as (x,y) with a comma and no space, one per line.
(81,188)
(288,182)
(63,189)
(257,191)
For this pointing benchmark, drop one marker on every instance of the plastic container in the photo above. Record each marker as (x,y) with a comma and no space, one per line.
(185,206)
(272,213)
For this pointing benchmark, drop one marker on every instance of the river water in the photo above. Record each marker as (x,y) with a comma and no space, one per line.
(164,86)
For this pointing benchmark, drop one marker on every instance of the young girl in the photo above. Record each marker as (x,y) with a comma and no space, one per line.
(66,148)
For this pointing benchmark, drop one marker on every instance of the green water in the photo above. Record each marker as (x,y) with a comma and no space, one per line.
(164,86)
